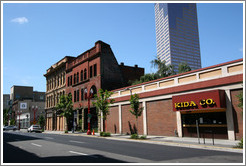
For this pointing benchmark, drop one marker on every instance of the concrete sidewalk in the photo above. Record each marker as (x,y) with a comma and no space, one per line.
(219,144)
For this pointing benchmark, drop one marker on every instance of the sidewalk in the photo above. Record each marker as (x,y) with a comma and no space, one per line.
(219,144)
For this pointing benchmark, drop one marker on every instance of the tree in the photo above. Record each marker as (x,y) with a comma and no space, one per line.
(65,105)
(183,67)
(41,121)
(240,99)
(102,104)
(163,70)
(5,116)
(136,109)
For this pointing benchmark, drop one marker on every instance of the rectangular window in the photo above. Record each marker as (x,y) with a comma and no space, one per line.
(95,70)
(74,96)
(90,71)
(82,94)
(77,95)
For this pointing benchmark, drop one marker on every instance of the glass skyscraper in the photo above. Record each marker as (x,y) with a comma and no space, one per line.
(177,35)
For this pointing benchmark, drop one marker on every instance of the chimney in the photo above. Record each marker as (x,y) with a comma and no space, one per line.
(136,66)
(122,63)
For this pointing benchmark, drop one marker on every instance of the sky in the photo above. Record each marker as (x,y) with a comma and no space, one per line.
(37,35)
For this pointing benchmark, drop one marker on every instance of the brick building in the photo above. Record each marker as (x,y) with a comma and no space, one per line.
(173,106)
(55,87)
(96,68)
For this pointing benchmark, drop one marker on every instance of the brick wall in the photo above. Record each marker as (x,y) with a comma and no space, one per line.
(129,121)
(237,114)
(113,120)
(161,120)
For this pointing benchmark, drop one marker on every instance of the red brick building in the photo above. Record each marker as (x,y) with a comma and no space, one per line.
(173,106)
(96,68)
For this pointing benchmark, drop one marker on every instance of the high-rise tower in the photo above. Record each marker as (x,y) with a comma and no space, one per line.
(177,35)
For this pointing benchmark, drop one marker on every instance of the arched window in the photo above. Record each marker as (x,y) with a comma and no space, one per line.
(94,90)
(81,75)
(74,78)
(77,77)
(85,74)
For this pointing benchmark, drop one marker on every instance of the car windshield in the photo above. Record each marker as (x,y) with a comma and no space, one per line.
(36,126)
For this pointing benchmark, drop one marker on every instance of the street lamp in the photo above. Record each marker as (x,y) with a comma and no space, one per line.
(34,108)
(19,113)
(89,96)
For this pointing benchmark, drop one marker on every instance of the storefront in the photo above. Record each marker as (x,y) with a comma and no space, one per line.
(202,113)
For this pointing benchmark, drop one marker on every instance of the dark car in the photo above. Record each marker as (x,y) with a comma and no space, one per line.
(11,127)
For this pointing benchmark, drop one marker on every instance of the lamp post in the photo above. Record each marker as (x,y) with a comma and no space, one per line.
(89,115)
(19,113)
(34,108)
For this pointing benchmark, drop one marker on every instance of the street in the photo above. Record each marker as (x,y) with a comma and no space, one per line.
(21,147)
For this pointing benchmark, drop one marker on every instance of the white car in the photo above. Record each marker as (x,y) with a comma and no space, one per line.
(34,128)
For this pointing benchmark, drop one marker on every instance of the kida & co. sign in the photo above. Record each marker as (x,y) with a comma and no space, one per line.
(199,101)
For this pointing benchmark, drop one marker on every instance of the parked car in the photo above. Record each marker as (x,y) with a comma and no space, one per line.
(11,127)
(34,128)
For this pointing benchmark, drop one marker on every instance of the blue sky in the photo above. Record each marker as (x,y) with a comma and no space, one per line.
(37,35)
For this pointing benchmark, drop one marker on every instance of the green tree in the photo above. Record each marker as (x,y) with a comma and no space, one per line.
(65,104)
(135,106)
(5,116)
(102,104)
(183,67)
(240,99)
(163,70)
(41,121)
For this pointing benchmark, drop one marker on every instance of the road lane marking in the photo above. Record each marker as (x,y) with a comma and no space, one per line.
(76,142)
(48,137)
(36,145)
(78,153)
(83,154)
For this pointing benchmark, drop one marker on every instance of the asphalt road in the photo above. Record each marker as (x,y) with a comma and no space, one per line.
(20,147)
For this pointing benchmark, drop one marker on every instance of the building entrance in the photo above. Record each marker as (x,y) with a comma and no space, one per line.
(93,120)
(210,124)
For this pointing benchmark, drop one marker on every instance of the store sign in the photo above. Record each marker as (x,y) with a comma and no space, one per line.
(23,105)
(192,104)
(198,101)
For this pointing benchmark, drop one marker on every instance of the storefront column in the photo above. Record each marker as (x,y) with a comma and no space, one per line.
(229,116)
(120,119)
(144,118)
(101,119)
(179,123)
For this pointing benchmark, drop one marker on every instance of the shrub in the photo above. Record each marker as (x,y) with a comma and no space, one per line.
(240,144)
(66,131)
(134,136)
(105,134)
(143,137)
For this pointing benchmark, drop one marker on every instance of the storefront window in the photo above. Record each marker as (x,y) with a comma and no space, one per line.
(213,118)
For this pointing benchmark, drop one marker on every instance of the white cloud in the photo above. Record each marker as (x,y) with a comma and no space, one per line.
(20,20)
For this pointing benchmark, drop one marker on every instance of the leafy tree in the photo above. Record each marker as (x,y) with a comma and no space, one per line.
(183,67)
(240,99)
(65,104)
(102,104)
(5,116)
(163,70)
(136,109)
(41,121)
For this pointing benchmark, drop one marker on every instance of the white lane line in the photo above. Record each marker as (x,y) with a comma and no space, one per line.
(76,142)
(36,145)
(83,154)
(78,153)
(48,137)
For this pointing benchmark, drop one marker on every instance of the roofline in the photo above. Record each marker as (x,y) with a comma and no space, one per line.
(189,72)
